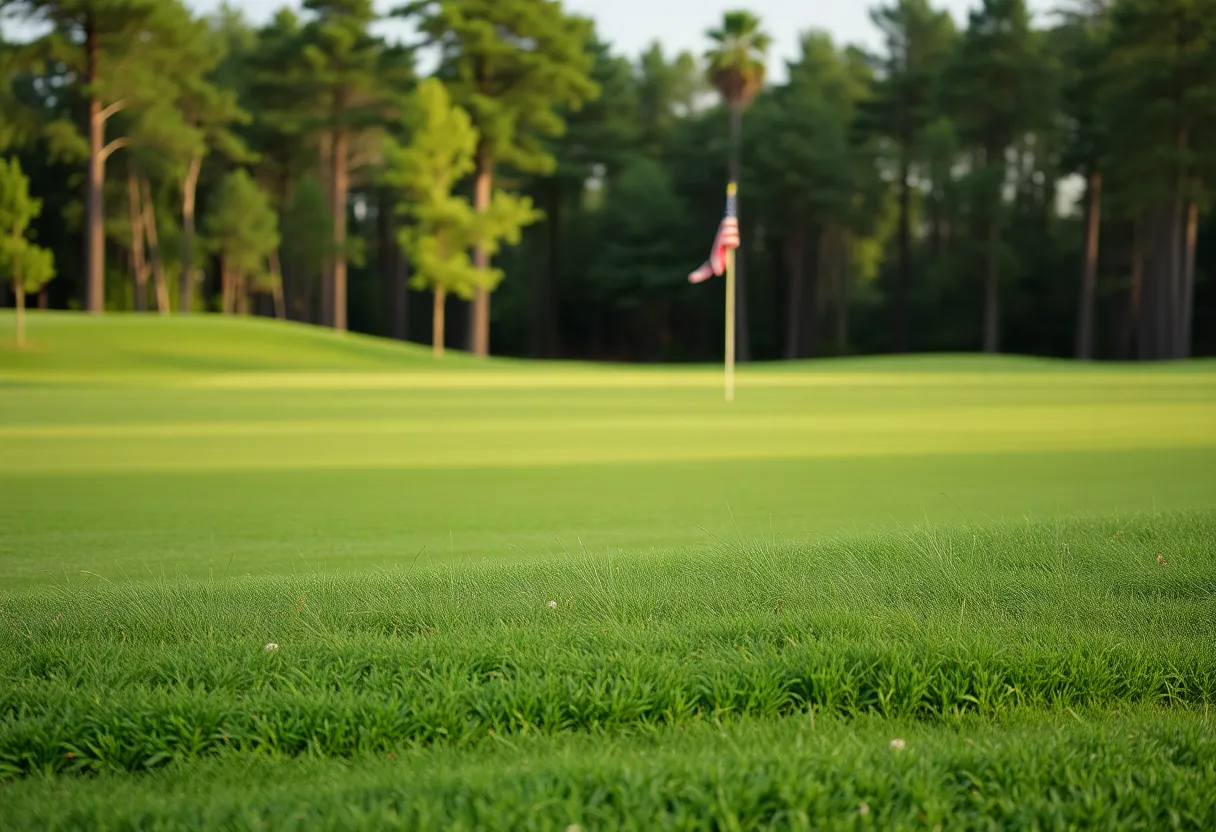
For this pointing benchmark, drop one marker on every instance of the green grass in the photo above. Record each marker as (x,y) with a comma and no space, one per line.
(925,625)
(959,548)
(1140,770)
(159,466)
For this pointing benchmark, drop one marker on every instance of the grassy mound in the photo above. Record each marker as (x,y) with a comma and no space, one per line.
(125,344)
(62,342)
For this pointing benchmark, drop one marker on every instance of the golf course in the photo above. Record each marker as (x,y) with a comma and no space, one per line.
(264,575)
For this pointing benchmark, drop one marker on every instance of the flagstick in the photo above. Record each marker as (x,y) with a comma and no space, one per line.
(731,189)
(730,325)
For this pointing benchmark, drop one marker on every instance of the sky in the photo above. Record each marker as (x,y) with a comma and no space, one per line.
(631,25)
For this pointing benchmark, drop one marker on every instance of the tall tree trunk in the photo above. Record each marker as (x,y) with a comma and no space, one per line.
(544,327)
(1187,306)
(392,260)
(401,296)
(1153,342)
(341,189)
(994,157)
(437,321)
(189,192)
(139,266)
(158,265)
(1177,255)
(19,302)
(325,154)
(1131,315)
(820,280)
(479,313)
(42,298)
(992,299)
(94,235)
(241,293)
(276,289)
(291,300)
(842,295)
(225,286)
(1089,275)
(795,265)
(903,281)
(743,346)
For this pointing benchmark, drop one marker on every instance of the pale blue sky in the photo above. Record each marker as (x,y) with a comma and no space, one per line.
(630,25)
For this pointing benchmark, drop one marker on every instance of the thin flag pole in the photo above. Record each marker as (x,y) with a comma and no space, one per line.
(730,311)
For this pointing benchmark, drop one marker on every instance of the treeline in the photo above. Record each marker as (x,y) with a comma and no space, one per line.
(1034,186)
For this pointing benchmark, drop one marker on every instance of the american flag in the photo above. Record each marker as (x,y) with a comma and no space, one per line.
(726,238)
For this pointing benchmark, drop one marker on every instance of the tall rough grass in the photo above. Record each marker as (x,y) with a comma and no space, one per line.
(1143,769)
(926,625)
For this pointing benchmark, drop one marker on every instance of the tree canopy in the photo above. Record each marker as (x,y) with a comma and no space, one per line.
(1008,181)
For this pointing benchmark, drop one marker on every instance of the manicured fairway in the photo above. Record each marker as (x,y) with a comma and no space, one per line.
(130,447)
(512,595)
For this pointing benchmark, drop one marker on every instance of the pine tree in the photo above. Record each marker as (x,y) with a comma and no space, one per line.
(119,51)
(1160,59)
(307,244)
(918,43)
(997,91)
(510,64)
(808,176)
(208,113)
(243,230)
(443,226)
(355,83)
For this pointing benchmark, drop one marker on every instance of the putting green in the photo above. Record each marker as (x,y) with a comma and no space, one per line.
(131,446)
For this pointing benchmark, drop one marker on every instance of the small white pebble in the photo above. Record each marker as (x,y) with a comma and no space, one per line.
(863,809)
(272,647)
(552,605)
(897,744)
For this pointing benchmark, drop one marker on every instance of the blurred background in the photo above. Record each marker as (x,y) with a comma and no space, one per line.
(914,175)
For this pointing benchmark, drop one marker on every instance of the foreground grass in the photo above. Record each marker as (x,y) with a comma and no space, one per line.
(1142,769)
(926,625)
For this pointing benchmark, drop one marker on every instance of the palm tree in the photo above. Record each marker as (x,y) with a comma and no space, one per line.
(736,69)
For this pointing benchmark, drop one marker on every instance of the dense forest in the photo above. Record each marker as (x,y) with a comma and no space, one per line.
(1039,186)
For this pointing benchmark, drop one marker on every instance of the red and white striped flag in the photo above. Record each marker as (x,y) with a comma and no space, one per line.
(726,238)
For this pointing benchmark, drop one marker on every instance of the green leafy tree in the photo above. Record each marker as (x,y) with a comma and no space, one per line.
(243,230)
(27,266)
(640,262)
(600,139)
(18,122)
(307,243)
(997,91)
(207,115)
(666,93)
(918,40)
(121,53)
(1160,59)
(737,70)
(807,175)
(353,82)
(1080,43)
(511,64)
(444,226)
